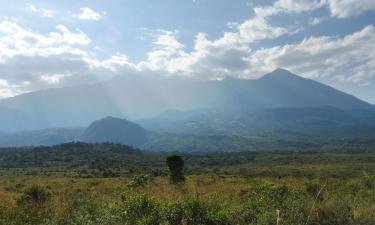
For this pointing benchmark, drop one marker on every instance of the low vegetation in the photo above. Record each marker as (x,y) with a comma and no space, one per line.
(72,186)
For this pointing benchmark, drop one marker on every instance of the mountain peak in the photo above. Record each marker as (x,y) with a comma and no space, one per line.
(281,70)
(281,73)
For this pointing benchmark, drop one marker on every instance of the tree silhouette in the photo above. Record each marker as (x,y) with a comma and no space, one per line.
(175,164)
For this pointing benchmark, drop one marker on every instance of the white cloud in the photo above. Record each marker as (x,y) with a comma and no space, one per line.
(31,8)
(48,13)
(258,29)
(65,36)
(168,39)
(352,58)
(42,12)
(298,6)
(166,48)
(210,58)
(9,90)
(54,78)
(289,6)
(89,14)
(322,56)
(316,20)
(19,41)
(114,63)
(349,8)
(30,61)
(337,8)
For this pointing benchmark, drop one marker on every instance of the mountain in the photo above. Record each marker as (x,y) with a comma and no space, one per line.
(138,96)
(317,121)
(200,130)
(40,137)
(281,88)
(114,130)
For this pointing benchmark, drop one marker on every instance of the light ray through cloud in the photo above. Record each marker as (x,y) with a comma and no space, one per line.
(56,44)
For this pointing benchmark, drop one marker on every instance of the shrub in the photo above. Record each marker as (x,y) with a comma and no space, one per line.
(198,212)
(141,210)
(368,180)
(173,212)
(138,181)
(34,196)
(313,188)
(334,211)
(263,201)
(32,206)
(87,209)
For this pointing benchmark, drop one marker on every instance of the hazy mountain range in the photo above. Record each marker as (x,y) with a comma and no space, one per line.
(278,102)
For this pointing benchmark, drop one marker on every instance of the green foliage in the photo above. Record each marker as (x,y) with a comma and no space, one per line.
(261,203)
(33,206)
(141,210)
(138,181)
(368,180)
(335,211)
(198,212)
(34,196)
(112,160)
(221,188)
(313,188)
(86,208)
(71,154)
(257,206)
(173,212)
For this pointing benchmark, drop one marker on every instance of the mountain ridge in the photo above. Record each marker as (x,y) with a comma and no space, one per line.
(137,97)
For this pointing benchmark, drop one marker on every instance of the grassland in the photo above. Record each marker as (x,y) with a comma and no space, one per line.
(227,188)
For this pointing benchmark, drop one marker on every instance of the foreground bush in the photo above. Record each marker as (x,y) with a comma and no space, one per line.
(352,204)
(33,207)
(141,210)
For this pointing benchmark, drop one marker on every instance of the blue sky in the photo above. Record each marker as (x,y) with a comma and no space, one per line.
(46,44)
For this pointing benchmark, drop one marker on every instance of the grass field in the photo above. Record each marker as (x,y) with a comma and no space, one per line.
(235,188)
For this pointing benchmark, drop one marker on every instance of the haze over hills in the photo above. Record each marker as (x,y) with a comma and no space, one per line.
(279,101)
(145,96)
(45,137)
(114,130)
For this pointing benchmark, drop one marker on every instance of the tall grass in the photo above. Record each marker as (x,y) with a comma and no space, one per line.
(204,200)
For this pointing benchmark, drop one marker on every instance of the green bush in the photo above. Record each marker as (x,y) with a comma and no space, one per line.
(33,206)
(199,212)
(263,201)
(335,211)
(87,209)
(138,181)
(173,212)
(312,188)
(141,210)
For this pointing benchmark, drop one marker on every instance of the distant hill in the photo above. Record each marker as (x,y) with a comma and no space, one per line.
(280,129)
(144,96)
(317,121)
(78,154)
(40,137)
(114,130)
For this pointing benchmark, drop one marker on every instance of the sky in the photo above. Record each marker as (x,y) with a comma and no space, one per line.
(49,44)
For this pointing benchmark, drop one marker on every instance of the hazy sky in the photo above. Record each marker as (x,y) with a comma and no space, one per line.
(47,44)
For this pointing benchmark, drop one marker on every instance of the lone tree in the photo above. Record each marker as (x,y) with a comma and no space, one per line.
(175,164)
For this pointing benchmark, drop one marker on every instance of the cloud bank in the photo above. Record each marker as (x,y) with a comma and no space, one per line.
(65,56)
